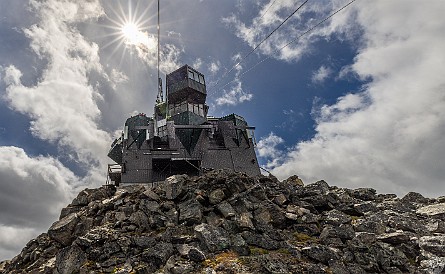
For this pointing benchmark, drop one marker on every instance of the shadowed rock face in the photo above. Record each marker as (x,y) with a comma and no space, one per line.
(230,223)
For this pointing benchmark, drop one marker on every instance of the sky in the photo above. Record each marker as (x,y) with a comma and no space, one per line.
(356,99)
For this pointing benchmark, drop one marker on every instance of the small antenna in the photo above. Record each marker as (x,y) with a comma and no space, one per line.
(160,97)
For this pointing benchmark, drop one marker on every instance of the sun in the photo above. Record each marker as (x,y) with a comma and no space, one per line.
(131,32)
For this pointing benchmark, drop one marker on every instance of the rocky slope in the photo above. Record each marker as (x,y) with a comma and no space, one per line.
(231,223)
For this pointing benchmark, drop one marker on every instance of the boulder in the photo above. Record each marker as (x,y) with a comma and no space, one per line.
(414,197)
(320,253)
(433,211)
(216,196)
(158,255)
(190,212)
(395,238)
(213,238)
(174,186)
(62,230)
(226,210)
(294,180)
(69,260)
(433,244)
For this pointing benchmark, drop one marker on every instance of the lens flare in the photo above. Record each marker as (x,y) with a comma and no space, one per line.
(132,34)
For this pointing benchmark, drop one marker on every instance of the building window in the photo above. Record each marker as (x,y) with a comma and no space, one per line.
(195,76)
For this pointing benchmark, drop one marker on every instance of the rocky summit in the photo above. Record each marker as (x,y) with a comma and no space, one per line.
(230,223)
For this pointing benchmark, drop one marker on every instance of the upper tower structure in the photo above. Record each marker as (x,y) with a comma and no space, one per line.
(186,96)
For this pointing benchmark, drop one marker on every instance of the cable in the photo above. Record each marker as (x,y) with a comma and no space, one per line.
(257,46)
(250,30)
(291,42)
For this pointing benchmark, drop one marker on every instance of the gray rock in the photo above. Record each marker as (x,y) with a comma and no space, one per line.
(321,253)
(364,194)
(62,230)
(433,211)
(226,210)
(280,199)
(158,255)
(394,238)
(294,180)
(213,219)
(336,218)
(239,245)
(343,232)
(433,244)
(435,265)
(196,255)
(150,194)
(244,221)
(373,224)
(69,260)
(140,220)
(213,238)
(260,240)
(407,223)
(413,197)
(292,216)
(190,212)
(365,237)
(365,207)
(149,206)
(216,196)
(185,223)
(174,186)
(317,188)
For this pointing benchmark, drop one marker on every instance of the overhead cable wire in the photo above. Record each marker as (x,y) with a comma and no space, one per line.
(257,46)
(291,42)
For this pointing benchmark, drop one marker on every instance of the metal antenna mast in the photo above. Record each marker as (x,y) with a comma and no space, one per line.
(160,97)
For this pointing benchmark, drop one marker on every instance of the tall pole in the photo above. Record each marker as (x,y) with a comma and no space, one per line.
(160,94)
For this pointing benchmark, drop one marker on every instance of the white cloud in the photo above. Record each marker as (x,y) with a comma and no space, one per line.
(321,75)
(390,135)
(234,96)
(147,51)
(265,22)
(62,106)
(214,67)
(267,149)
(12,75)
(34,190)
(197,64)
(117,77)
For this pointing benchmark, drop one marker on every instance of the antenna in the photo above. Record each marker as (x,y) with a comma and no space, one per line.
(160,97)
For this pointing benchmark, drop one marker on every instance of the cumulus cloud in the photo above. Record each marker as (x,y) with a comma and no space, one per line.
(197,64)
(117,77)
(235,94)
(62,106)
(321,74)
(214,67)
(270,16)
(34,190)
(146,50)
(389,135)
(268,150)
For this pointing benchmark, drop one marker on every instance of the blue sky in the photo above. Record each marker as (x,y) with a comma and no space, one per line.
(359,101)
